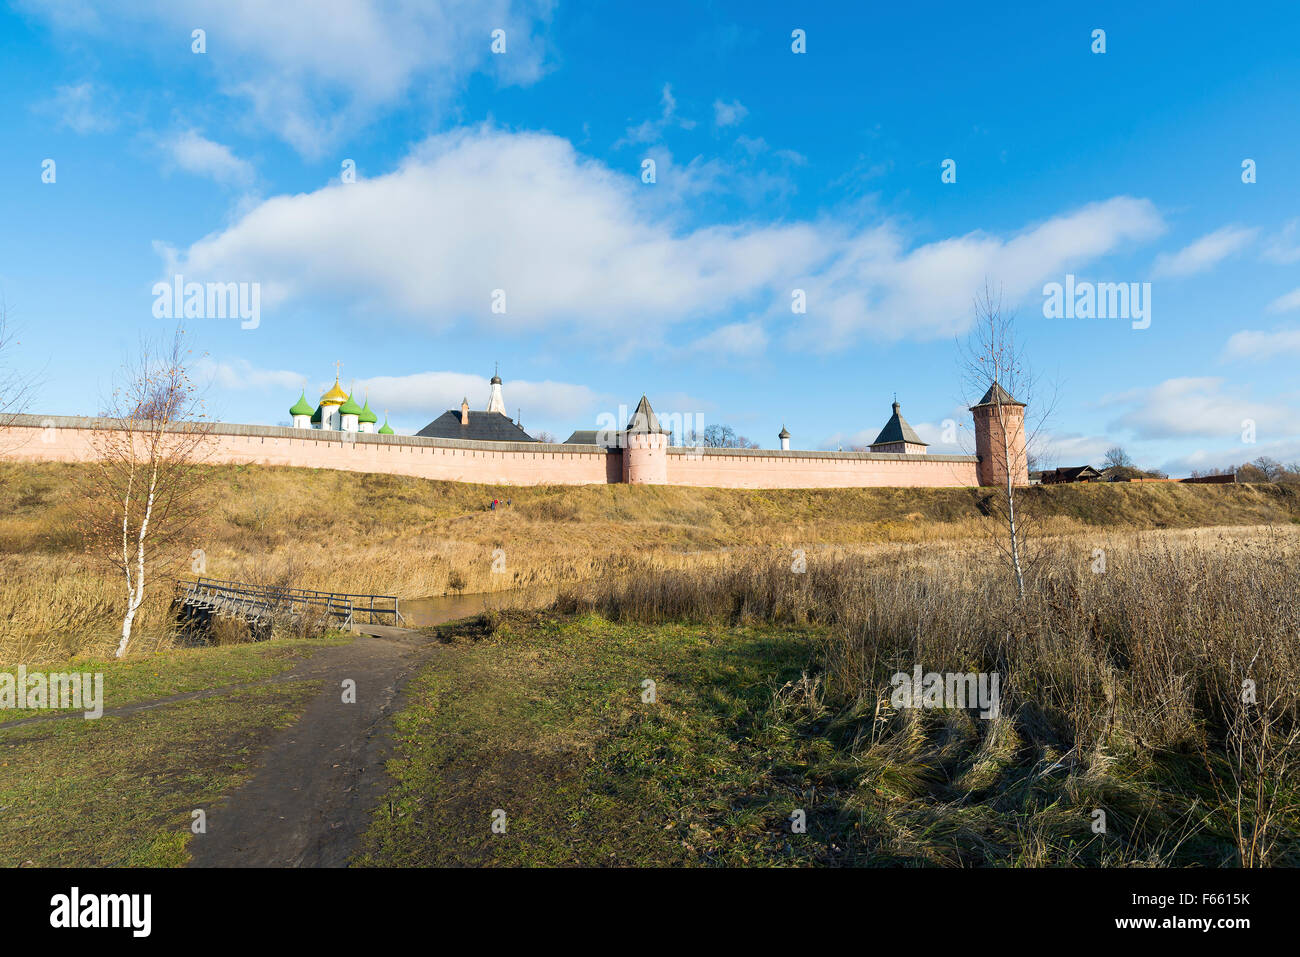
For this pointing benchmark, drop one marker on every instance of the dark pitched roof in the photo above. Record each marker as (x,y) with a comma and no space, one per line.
(996,395)
(1076,473)
(483,427)
(897,430)
(644,419)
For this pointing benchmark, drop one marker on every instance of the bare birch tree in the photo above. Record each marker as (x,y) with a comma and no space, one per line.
(141,484)
(996,376)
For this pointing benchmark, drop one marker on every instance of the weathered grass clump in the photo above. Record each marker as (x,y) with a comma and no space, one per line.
(1154,678)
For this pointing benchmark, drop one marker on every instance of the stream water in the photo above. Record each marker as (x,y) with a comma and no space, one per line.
(423,612)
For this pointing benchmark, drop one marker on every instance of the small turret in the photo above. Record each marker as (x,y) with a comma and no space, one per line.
(497,402)
(464,411)
(784,436)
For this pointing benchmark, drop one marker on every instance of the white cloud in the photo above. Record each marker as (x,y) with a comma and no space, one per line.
(733,339)
(650,131)
(1285,303)
(1253,344)
(577,246)
(432,393)
(195,153)
(728,114)
(1207,251)
(242,375)
(1284,248)
(874,283)
(1054,450)
(310,75)
(1194,407)
(81,108)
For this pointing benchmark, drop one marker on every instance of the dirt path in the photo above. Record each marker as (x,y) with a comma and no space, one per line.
(311,797)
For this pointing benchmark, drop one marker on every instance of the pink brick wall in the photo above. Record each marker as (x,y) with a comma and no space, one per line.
(790,470)
(511,463)
(488,467)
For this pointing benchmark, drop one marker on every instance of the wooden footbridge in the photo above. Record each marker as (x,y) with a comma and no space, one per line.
(198,602)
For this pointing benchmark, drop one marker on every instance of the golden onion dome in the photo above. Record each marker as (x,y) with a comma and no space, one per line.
(335,396)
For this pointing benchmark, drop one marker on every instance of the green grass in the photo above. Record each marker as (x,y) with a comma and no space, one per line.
(545,721)
(543,718)
(119,791)
(182,670)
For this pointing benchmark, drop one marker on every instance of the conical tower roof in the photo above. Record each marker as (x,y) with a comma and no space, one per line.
(644,419)
(996,395)
(897,430)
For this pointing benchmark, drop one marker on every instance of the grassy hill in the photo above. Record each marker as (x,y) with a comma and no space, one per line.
(414,537)
(1121,685)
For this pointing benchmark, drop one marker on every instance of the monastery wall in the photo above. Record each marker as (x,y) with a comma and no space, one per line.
(68,439)
(726,468)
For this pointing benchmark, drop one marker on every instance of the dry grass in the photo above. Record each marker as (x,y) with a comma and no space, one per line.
(1121,690)
(411,537)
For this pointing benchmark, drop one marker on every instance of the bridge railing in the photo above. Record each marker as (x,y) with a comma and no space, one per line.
(342,606)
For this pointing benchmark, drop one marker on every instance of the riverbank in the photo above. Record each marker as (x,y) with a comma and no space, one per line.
(386,534)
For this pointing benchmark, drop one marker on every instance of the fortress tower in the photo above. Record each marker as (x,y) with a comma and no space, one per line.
(1000,438)
(645,459)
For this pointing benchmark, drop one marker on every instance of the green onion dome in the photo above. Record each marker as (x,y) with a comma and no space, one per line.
(384,429)
(349,407)
(366,414)
(301,407)
(315,416)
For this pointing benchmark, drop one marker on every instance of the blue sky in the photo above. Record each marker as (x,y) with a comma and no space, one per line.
(774,171)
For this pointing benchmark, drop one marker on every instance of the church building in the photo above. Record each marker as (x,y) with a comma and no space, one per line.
(491,425)
(337,412)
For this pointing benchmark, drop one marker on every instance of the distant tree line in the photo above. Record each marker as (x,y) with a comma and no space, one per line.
(717,437)
(1263,469)
(1118,465)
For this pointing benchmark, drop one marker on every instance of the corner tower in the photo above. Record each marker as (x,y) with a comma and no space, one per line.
(1000,438)
(645,444)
